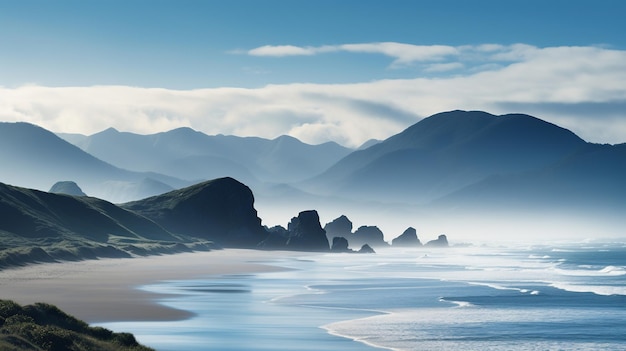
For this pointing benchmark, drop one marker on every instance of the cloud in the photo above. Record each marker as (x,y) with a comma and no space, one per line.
(282,50)
(580,88)
(408,54)
(404,54)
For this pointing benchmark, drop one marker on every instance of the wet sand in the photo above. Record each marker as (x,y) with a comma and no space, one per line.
(106,290)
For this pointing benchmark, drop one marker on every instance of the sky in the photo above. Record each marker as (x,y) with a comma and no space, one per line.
(344,70)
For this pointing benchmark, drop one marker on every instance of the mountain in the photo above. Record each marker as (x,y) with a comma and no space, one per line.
(220,210)
(36,158)
(589,179)
(445,153)
(41,226)
(188,154)
(68,188)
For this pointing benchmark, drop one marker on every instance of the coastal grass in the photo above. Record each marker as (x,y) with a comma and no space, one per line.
(44,327)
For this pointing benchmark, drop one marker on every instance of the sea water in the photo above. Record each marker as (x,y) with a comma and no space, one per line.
(564,297)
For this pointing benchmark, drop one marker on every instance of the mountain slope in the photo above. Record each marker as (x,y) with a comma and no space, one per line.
(590,179)
(36,158)
(445,153)
(221,210)
(41,226)
(192,155)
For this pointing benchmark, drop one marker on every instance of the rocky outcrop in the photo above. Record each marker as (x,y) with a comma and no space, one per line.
(441,241)
(340,226)
(407,239)
(67,188)
(306,233)
(370,235)
(221,210)
(340,244)
(366,249)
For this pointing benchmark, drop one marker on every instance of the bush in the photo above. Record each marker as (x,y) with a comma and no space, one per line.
(9,308)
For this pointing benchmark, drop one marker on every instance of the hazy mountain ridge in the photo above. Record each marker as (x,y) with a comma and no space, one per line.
(192,155)
(37,158)
(445,153)
(438,167)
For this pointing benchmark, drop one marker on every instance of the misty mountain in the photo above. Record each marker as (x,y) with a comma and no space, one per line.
(589,179)
(36,158)
(191,155)
(445,153)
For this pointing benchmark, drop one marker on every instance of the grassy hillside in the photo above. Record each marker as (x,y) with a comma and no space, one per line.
(38,226)
(43,327)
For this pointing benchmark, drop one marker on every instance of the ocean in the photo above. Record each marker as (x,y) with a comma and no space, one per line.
(552,297)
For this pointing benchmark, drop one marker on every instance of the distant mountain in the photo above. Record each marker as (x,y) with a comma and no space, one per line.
(445,153)
(591,178)
(68,188)
(36,158)
(192,155)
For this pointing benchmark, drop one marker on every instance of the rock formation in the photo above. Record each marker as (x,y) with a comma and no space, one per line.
(407,239)
(340,226)
(366,249)
(306,233)
(441,241)
(67,188)
(370,235)
(221,210)
(340,244)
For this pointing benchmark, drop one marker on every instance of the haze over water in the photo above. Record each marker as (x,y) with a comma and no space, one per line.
(570,297)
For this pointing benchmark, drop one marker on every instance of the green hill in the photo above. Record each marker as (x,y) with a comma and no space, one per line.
(37,226)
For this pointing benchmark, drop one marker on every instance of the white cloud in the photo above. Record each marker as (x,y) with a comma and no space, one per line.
(546,82)
(282,50)
(404,54)
(444,67)
(407,54)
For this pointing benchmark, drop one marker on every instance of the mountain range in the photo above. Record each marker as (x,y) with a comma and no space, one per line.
(191,155)
(451,163)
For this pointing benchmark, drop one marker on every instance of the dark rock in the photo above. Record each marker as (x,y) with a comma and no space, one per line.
(276,240)
(370,235)
(340,244)
(67,188)
(442,241)
(221,210)
(366,249)
(407,239)
(306,233)
(340,226)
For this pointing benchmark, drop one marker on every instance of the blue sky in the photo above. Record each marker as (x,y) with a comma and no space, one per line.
(339,70)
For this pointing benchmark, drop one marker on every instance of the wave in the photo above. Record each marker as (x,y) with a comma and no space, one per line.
(604,290)
(459,304)
(606,271)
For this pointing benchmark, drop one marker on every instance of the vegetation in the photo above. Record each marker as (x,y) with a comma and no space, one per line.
(44,327)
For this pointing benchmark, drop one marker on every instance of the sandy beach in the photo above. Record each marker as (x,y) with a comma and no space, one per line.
(106,290)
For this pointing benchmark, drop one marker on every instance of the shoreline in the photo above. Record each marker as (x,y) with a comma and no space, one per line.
(108,290)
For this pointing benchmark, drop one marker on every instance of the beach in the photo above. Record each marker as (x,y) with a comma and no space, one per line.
(107,289)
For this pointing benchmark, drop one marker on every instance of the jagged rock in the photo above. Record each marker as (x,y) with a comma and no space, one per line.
(67,188)
(370,235)
(366,249)
(340,226)
(441,241)
(407,239)
(340,244)
(276,240)
(306,233)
